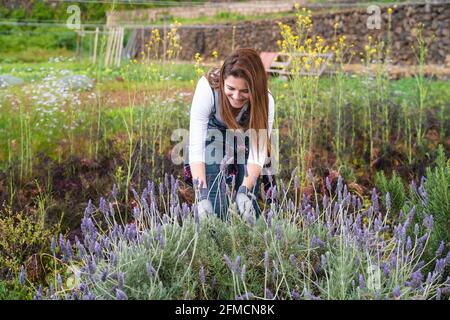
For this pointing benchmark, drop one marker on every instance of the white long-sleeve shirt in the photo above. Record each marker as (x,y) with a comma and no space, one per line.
(201,109)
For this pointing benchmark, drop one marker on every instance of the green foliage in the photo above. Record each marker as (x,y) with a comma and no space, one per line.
(49,38)
(13,290)
(433,197)
(23,238)
(396,190)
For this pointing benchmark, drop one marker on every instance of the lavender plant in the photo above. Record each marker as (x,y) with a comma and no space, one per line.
(316,247)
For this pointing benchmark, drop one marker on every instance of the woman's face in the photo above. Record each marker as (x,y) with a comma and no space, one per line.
(236,90)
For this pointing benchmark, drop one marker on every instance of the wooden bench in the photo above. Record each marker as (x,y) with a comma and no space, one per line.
(280,63)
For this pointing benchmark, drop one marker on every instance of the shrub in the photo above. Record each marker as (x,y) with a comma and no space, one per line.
(23,239)
(395,188)
(432,201)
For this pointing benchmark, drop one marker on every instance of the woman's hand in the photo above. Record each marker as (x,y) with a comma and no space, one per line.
(204,206)
(244,203)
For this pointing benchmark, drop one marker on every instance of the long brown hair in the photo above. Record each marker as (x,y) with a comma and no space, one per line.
(244,63)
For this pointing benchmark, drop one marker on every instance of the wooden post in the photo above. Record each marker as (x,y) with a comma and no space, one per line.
(108,46)
(119,46)
(94,56)
(114,46)
(90,43)
(78,44)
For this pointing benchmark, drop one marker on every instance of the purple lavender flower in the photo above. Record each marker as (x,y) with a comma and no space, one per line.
(160,237)
(136,213)
(89,209)
(269,219)
(236,265)
(151,272)
(295,295)
(228,262)
(428,222)
(293,260)
(397,292)
(423,238)
(429,278)
(38,295)
(68,252)
(53,246)
(115,191)
(243,272)
(103,207)
(59,282)
(416,230)
(328,184)
(274,193)
(440,266)
(278,232)
(447,259)
(295,183)
(386,270)
(120,279)
(269,294)
(161,188)
(316,242)
(400,215)
(202,275)
(245,296)
(91,266)
(311,296)
(388,201)
(120,295)
(375,200)
(408,244)
(361,281)
(61,243)
(282,187)
(81,250)
(166,180)
(416,280)
(419,266)
(23,275)
(339,184)
(440,249)
(438,293)
(104,275)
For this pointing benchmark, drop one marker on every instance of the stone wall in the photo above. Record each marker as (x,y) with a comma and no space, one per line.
(140,16)
(262,35)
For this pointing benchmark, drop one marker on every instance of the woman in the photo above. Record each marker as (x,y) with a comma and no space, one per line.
(234,97)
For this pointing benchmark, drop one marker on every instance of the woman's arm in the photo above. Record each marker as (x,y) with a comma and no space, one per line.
(201,108)
(253,170)
(198,172)
(256,163)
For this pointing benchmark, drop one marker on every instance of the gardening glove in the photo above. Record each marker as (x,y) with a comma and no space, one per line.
(244,203)
(204,206)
